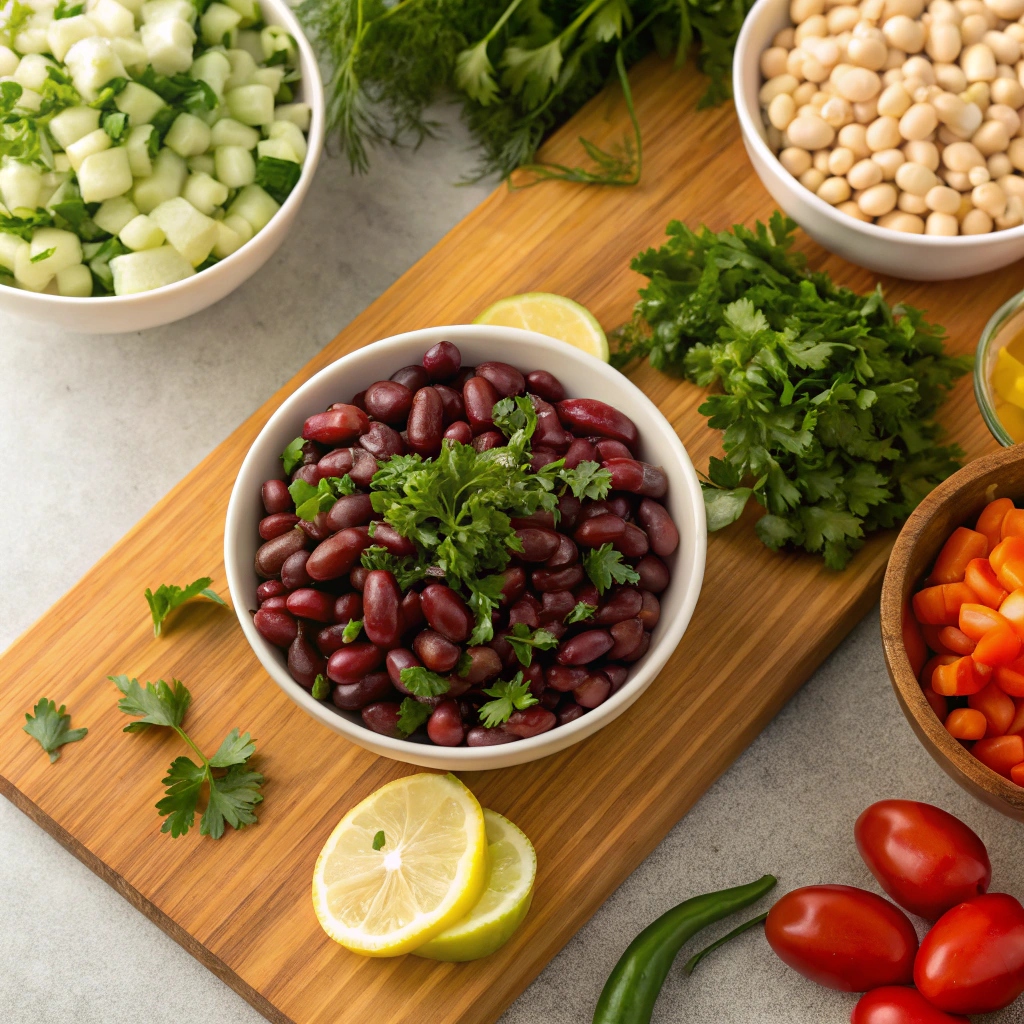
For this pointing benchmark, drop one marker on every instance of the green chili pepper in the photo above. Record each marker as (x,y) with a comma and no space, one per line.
(633,986)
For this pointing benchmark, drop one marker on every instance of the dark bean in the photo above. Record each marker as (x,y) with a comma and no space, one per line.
(337,555)
(332,639)
(382,604)
(336,463)
(364,465)
(478,736)
(549,432)
(557,629)
(542,519)
(621,604)
(556,579)
(484,665)
(444,727)
(622,505)
(480,398)
(542,457)
(412,613)
(487,440)
(460,431)
(616,674)
(278,601)
(276,497)
(271,555)
(293,571)
(438,653)
(442,361)
(650,610)
(359,400)
(307,603)
(451,402)
(305,662)
(353,661)
(581,450)
(446,612)
(570,712)
(654,574)
(386,536)
(587,593)
(271,588)
(526,610)
(375,686)
(550,699)
(538,545)
(609,449)
(593,509)
(565,677)
(397,659)
(276,626)
(594,691)
(341,424)
(513,586)
(309,472)
(566,554)
(317,528)
(533,674)
(633,543)
(389,402)
(357,577)
(584,647)
(661,531)
(586,416)
(531,722)
(504,649)
(628,635)
(382,441)
(556,606)
(545,384)
(645,643)
(312,452)
(505,379)
(349,510)
(637,477)
(603,529)
(413,377)
(382,717)
(568,509)
(426,422)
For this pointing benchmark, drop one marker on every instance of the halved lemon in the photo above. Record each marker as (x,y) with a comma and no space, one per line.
(504,903)
(428,871)
(553,315)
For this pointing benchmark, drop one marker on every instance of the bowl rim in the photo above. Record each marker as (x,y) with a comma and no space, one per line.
(313,94)
(468,758)
(982,384)
(752,137)
(956,760)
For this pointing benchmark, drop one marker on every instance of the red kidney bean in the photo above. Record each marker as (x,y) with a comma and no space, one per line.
(570,712)
(478,736)
(526,610)
(505,379)
(459,380)
(479,397)
(593,509)
(460,431)
(357,577)
(487,440)
(389,402)
(305,662)
(581,450)
(276,626)
(437,652)
(540,519)
(274,525)
(566,554)
(586,416)
(661,531)
(539,458)
(348,607)
(645,644)
(442,361)
(349,510)
(621,506)
(633,543)
(650,610)
(594,691)
(317,528)
(271,588)
(397,659)
(382,608)
(382,717)
(538,544)
(549,432)
(609,449)
(385,535)
(337,555)
(271,555)
(308,472)
(602,529)
(279,601)
(276,497)
(426,422)
(359,400)
(376,686)
(545,384)
(513,586)
(585,647)
(307,603)
(616,674)
(312,452)
(556,579)
(565,677)
(637,477)
(412,613)
(503,649)
(341,424)
(413,377)
(587,593)
(364,465)
(569,509)
(531,722)
(628,636)
(621,604)
(550,699)
(444,727)
(353,661)
(557,629)
(533,674)
(335,463)
(382,441)
(556,606)
(484,665)
(654,574)
(451,403)
(446,612)
(332,639)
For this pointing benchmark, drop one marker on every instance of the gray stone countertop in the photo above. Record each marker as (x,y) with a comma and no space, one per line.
(102,427)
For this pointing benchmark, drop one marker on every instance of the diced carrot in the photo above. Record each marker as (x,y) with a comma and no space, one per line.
(913,641)
(990,522)
(996,706)
(981,578)
(930,606)
(1012,609)
(1001,753)
(966,724)
(954,596)
(978,619)
(956,641)
(1010,678)
(931,665)
(960,678)
(1017,774)
(938,703)
(1013,524)
(1017,725)
(1011,547)
(963,546)
(998,647)
(932,636)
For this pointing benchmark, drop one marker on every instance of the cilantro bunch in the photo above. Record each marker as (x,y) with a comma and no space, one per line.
(824,396)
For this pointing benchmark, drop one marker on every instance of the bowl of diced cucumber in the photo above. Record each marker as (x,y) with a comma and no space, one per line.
(153,155)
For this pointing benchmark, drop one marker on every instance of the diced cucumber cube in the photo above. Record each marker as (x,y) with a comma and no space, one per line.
(62,34)
(248,9)
(112,19)
(33,69)
(75,282)
(188,136)
(205,193)
(8,61)
(166,181)
(142,233)
(30,100)
(168,45)
(135,6)
(92,63)
(9,246)
(137,147)
(297,114)
(20,185)
(218,21)
(143,271)
(274,39)
(33,276)
(290,133)
(61,162)
(167,10)
(249,41)
(229,132)
(66,246)
(139,103)
(242,67)
(32,38)
(251,104)
(240,226)
(192,233)
(234,166)
(228,241)
(95,142)
(279,149)
(72,124)
(214,69)
(115,213)
(270,77)
(105,175)
(255,206)
(202,164)
(132,54)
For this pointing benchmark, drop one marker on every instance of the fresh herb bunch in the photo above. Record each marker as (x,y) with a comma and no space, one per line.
(826,395)
(518,69)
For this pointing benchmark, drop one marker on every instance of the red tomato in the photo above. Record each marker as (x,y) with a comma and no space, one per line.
(895,1004)
(972,961)
(843,938)
(923,857)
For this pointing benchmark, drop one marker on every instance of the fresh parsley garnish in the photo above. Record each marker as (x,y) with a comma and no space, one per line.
(310,500)
(511,415)
(44,255)
(411,715)
(167,598)
(233,788)
(277,177)
(464,665)
(115,125)
(25,225)
(180,90)
(421,682)
(825,397)
(523,640)
(66,10)
(580,613)
(352,630)
(405,568)
(51,727)
(604,566)
(510,695)
(379,840)
(321,688)
(292,455)
(588,480)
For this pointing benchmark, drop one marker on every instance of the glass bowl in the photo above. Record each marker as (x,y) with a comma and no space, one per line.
(1000,417)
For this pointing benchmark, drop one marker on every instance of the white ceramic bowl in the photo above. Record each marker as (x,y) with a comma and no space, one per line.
(583,376)
(918,257)
(116,314)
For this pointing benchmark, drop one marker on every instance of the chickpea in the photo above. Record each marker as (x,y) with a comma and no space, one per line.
(990,198)
(924,153)
(812,179)
(854,138)
(775,86)
(864,174)
(978,63)
(894,101)
(890,160)
(950,78)
(840,160)
(781,111)
(991,137)
(915,179)
(1008,92)
(858,85)
(962,156)
(976,222)
(878,200)
(883,133)
(941,224)
(943,43)
(906,222)
(909,203)
(851,209)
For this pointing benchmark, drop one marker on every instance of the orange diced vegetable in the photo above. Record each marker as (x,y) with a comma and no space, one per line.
(999,646)
(1017,774)
(954,596)
(978,619)
(966,724)
(996,706)
(953,639)
(1017,725)
(990,522)
(1013,524)
(981,578)
(1010,678)
(930,606)
(926,673)
(1001,753)
(1012,609)
(1011,547)
(963,546)
(938,703)
(933,637)
(960,678)
(913,642)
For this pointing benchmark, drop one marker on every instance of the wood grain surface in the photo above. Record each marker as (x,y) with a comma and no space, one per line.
(763,624)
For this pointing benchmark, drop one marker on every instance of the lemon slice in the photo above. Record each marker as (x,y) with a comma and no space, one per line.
(427,874)
(504,903)
(553,315)
(1008,378)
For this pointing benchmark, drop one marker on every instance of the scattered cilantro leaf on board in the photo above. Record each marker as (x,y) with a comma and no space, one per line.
(604,566)
(421,682)
(411,715)
(167,598)
(523,640)
(580,613)
(510,695)
(51,727)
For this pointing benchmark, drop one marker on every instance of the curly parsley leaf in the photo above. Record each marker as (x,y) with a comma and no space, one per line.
(321,688)
(604,566)
(580,613)
(405,568)
(51,726)
(510,695)
(167,598)
(421,682)
(310,500)
(523,641)
(587,480)
(411,715)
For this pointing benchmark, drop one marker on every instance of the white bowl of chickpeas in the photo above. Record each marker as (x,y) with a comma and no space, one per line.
(892,132)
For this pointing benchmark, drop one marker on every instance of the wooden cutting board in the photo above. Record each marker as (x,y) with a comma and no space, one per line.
(763,624)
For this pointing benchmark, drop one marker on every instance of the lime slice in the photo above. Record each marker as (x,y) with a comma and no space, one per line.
(553,315)
(502,907)
(385,894)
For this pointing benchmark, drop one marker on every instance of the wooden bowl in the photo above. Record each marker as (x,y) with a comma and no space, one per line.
(955,502)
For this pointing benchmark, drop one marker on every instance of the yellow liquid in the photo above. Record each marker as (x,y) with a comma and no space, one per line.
(1011,415)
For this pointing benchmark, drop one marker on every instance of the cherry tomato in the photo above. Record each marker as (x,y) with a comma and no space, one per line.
(923,857)
(972,961)
(896,1004)
(843,938)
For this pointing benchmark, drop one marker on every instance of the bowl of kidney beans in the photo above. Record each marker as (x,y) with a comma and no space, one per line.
(297,583)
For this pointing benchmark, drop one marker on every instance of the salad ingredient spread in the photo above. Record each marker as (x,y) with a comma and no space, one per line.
(140,143)
(906,119)
(826,395)
(51,726)
(466,550)
(553,315)
(167,598)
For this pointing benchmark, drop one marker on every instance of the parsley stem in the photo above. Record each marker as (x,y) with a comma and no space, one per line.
(184,735)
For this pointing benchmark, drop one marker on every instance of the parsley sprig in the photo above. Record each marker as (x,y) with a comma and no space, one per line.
(411,715)
(421,682)
(233,789)
(167,598)
(604,566)
(310,500)
(405,568)
(580,613)
(524,641)
(51,726)
(510,695)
